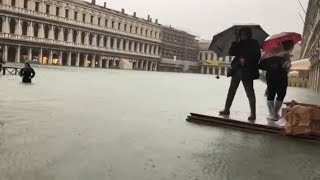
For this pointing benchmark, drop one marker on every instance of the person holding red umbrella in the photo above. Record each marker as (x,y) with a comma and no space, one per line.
(276,62)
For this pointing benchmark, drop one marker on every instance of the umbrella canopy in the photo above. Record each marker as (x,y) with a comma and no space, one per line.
(221,42)
(273,42)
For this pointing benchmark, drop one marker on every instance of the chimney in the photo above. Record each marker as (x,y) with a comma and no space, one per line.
(105,4)
(93,2)
(123,11)
(134,14)
(156,21)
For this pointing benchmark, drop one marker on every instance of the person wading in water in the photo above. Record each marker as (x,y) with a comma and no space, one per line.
(27,73)
(244,67)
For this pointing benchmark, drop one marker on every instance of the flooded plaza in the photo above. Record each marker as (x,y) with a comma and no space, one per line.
(80,124)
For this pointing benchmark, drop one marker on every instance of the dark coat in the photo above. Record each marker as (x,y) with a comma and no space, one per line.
(250,51)
(277,75)
(27,74)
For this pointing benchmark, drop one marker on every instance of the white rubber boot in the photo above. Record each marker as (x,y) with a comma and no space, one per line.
(271,116)
(277,108)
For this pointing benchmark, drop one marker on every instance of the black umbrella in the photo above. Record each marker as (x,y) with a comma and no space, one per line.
(221,42)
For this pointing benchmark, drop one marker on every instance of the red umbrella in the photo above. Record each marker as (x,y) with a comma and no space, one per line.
(274,41)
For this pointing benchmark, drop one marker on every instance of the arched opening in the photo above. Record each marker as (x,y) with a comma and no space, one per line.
(74,36)
(216,71)
(1,23)
(12,50)
(35,54)
(73,59)
(118,43)
(223,71)
(90,39)
(82,60)
(153,67)
(150,66)
(24,54)
(55,57)
(117,63)
(46,31)
(104,63)
(97,61)
(83,36)
(90,57)
(211,70)
(45,56)
(110,63)
(134,64)
(64,59)
(36,29)
(12,26)
(24,28)
(56,33)
(65,34)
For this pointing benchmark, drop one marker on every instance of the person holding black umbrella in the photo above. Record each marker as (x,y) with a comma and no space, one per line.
(244,68)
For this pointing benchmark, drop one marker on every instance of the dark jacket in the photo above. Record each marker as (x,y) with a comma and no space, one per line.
(250,51)
(27,74)
(277,75)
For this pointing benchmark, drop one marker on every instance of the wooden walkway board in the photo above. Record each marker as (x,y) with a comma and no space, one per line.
(238,121)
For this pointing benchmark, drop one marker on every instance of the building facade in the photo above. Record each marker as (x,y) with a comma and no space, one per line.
(210,63)
(77,33)
(179,51)
(311,43)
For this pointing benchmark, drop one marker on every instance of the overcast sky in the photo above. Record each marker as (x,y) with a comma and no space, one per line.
(204,18)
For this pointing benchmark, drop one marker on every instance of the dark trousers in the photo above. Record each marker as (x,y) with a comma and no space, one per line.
(279,89)
(248,86)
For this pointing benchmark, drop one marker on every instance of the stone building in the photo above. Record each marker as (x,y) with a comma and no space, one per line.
(210,63)
(77,33)
(179,51)
(311,43)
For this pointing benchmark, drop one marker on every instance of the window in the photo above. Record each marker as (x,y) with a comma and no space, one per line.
(141,31)
(37,6)
(125,27)
(136,30)
(91,20)
(99,21)
(67,13)
(151,33)
(47,8)
(25,4)
(13,2)
(206,56)
(156,35)
(112,24)
(84,17)
(212,56)
(106,22)
(146,32)
(76,15)
(131,29)
(57,11)
(119,25)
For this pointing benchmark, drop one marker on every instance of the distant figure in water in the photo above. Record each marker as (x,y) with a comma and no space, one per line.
(27,73)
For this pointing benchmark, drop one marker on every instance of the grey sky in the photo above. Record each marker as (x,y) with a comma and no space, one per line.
(205,18)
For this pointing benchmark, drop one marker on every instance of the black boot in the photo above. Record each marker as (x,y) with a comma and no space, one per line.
(252,117)
(226,111)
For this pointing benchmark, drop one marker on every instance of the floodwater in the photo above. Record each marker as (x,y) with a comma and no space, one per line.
(80,124)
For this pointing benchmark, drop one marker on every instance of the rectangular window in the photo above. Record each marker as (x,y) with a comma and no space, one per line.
(106,22)
(13,2)
(84,17)
(75,15)
(67,13)
(57,11)
(47,8)
(119,25)
(131,29)
(125,27)
(91,20)
(146,32)
(141,31)
(37,6)
(136,30)
(99,21)
(25,4)
(112,25)
(206,56)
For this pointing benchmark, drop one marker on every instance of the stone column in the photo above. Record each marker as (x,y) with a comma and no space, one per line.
(207,70)
(202,69)
(132,46)
(219,72)
(78,60)
(147,65)
(40,55)
(18,54)
(6,26)
(86,60)
(138,46)
(107,64)
(5,53)
(157,50)
(93,61)
(148,49)
(18,29)
(30,54)
(114,63)
(50,57)
(61,34)
(86,39)
(101,40)
(100,62)
(41,31)
(115,43)
(60,58)
(127,45)
(152,49)
(156,67)
(30,31)
(70,35)
(69,59)
(141,65)
(51,32)
(79,36)
(94,40)
(108,42)
(121,44)
(143,47)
